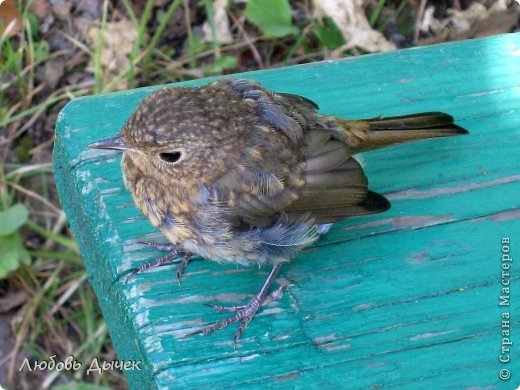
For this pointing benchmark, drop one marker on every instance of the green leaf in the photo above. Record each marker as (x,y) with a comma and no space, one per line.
(221,64)
(406,24)
(161,14)
(41,50)
(25,144)
(329,34)
(13,253)
(273,17)
(34,24)
(195,43)
(12,218)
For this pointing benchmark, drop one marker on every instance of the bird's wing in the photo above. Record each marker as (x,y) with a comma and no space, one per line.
(255,193)
(271,170)
(335,185)
(309,172)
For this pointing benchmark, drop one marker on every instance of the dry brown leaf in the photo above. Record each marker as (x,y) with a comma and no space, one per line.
(350,18)
(61,9)
(10,17)
(83,25)
(53,71)
(222,30)
(475,21)
(502,5)
(40,8)
(88,8)
(464,20)
(498,22)
(118,39)
(11,300)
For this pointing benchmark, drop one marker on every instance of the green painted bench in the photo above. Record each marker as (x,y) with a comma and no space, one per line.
(405,299)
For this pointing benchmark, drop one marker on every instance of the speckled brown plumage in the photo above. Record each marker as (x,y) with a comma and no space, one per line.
(237,173)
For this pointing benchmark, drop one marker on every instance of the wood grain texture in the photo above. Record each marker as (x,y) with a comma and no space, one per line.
(403,299)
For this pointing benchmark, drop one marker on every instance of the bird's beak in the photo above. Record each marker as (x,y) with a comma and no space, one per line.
(117,143)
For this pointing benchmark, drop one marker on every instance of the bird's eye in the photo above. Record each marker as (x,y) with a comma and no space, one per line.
(170,157)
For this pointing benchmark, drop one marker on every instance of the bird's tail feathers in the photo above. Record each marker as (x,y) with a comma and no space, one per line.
(398,129)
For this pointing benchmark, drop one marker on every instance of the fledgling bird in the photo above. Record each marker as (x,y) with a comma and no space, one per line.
(237,173)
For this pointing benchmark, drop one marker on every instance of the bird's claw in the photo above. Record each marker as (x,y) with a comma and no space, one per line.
(243,313)
(174,252)
(151,264)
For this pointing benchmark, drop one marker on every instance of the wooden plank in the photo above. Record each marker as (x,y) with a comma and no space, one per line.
(408,298)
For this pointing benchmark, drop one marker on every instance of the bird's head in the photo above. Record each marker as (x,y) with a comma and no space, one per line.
(178,133)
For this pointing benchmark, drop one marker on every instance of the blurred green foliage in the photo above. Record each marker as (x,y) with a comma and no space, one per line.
(273,17)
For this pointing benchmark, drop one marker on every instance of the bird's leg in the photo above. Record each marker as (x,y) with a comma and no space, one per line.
(174,251)
(182,266)
(247,312)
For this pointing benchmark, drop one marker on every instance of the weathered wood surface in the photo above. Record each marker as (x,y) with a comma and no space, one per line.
(404,299)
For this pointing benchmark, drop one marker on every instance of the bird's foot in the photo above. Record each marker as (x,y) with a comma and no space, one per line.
(244,313)
(174,252)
